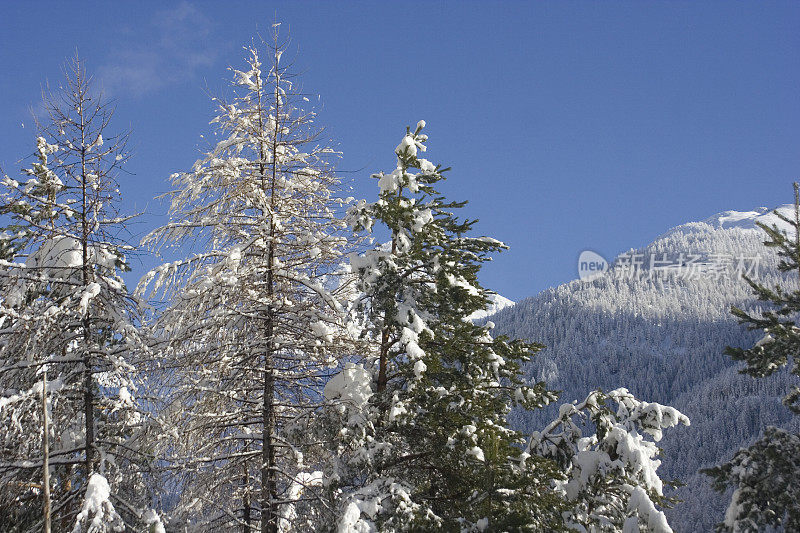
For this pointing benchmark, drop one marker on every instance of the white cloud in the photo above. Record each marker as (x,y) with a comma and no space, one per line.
(173,47)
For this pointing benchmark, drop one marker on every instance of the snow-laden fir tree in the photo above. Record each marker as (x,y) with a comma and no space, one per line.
(766,475)
(423,442)
(64,309)
(252,328)
(612,483)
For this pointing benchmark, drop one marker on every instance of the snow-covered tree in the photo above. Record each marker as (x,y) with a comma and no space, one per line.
(252,327)
(65,309)
(611,480)
(766,475)
(423,442)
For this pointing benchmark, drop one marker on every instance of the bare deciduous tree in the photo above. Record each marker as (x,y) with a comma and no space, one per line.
(66,309)
(255,320)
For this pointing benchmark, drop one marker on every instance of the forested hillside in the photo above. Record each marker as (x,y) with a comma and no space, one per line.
(658,323)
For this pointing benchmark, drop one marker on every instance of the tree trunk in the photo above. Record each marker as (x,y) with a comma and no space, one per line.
(88,403)
(383,378)
(88,394)
(46,456)
(246,500)
(269,485)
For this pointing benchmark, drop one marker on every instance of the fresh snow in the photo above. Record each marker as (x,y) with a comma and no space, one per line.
(351,386)
(151,519)
(748,219)
(496,303)
(745,220)
(89,293)
(98,513)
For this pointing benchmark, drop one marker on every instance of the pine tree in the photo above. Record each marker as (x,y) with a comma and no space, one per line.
(426,445)
(611,481)
(65,310)
(253,325)
(766,475)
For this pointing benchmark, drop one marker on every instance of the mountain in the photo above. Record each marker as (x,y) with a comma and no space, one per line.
(657,322)
(496,304)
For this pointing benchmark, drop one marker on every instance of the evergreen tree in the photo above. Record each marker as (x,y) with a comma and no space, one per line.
(611,481)
(65,310)
(766,475)
(253,323)
(424,443)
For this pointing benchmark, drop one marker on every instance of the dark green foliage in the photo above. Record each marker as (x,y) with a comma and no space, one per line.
(782,338)
(766,479)
(444,385)
(766,476)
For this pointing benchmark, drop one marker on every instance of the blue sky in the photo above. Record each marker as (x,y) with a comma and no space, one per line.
(569,125)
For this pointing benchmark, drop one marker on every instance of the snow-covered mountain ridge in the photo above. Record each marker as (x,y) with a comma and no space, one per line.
(748,219)
(496,303)
(738,219)
(661,333)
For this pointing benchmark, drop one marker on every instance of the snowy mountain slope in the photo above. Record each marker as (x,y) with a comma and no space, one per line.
(657,323)
(748,219)
(496,303)
(738,219)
